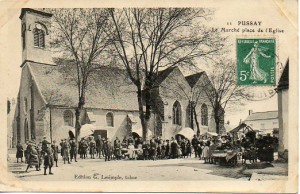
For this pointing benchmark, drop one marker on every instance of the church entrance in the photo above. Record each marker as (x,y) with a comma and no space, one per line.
(103,133)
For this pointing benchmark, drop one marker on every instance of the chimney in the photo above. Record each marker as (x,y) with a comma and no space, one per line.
(250,112)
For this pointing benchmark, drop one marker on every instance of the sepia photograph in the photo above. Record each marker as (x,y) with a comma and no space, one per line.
(133,95)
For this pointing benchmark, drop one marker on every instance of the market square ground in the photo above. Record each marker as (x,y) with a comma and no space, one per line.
(189,169)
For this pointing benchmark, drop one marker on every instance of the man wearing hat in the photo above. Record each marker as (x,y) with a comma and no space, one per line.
(92,147)
(73,150)
(33,158)
(66,148)
(48,160)
(44,145)
(61,148)
(167,153)
(55,151)
(195,145)
(99,146)
(107,149)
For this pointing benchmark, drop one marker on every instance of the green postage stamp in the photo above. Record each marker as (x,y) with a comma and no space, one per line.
(256,61)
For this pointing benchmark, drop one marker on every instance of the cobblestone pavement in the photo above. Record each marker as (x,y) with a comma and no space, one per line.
(130,170)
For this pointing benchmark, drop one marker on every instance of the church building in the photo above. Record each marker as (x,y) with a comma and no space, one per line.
(47,99)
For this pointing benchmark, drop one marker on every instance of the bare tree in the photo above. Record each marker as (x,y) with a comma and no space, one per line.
(79,37)
(224,90)
(146,40)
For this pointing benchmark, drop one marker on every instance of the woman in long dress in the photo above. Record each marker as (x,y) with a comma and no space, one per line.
(256,73)
(205,153)
(19,153)
(131,151)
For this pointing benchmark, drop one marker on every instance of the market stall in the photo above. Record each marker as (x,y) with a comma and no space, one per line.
(186,133)
(225,157)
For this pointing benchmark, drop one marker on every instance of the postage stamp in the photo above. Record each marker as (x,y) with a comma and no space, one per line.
(256,61)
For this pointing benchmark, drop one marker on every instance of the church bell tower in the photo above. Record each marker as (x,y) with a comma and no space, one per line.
(35,29)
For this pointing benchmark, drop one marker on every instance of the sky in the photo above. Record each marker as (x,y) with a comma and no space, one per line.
(270,14)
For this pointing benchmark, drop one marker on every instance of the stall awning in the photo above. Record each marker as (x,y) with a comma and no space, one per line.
(139,131)
(241,126)
(87,130)
(210,134)
(187,132)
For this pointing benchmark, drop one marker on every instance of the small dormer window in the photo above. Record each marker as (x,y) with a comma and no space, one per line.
(39,37)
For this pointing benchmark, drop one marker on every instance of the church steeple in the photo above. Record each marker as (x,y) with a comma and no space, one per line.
(35,36)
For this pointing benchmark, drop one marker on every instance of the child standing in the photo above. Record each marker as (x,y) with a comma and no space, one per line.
(205,153)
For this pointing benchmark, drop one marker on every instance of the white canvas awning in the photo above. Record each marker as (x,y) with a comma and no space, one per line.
(211,134)
(87,130)
(139,131)
(187,132)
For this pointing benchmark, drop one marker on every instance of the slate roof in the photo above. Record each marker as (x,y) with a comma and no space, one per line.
(262,116)
(284,79)
(192,79)
(111,89)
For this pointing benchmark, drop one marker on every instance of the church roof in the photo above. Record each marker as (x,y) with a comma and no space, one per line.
(162,75)
(111,90)
(284,79)
(262,116)
(192,79)
(24,10)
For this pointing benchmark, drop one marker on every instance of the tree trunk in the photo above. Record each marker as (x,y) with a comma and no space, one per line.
(141,113)
(77,117)
(217,121)
(77,123)
(196,120)
(191,115)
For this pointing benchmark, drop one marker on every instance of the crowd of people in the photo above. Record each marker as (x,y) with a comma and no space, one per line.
(37,154)
(202,147)
(134,148)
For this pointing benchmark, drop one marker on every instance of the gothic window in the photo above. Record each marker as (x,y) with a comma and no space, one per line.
(204,115)
(110,119)
(25,104)
(68,118)
(26,130)
(177,113)
(23,36)
(39,38)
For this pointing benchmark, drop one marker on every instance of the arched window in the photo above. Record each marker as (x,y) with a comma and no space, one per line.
(204,115)
(110,119)
(177,113)
(25,105)
(39,38)
(68,118)
(23,36)
(26,129)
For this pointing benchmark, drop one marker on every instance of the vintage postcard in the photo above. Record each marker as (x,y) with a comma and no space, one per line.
(149,96)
